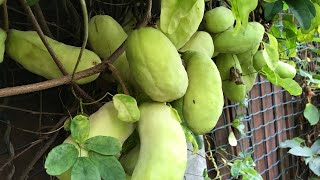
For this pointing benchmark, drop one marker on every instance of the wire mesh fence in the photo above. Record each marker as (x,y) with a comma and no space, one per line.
(271,116)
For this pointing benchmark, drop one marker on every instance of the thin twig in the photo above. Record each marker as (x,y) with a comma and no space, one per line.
(116,73)
(30,111)
(5,16)
(41,19)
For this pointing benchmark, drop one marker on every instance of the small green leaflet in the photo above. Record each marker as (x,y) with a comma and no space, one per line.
(290,144)
(32,2)
(127,108)
(60,159)
(105,145)
(314,165)
(238,124)
(316,147)
(108,166)
(80,128)
(311,113)
(301,151)
(272,8)
(84,169)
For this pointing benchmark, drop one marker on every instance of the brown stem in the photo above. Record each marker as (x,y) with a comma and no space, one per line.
(117,75)
(30,111)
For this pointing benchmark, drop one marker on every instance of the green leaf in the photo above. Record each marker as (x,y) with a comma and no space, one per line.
(315,50)
(301,151)
(237,123)
(249,173)
(235,168)
(305,37)
(314,165)
(288,84)
(271,9)
(127,108)
(80,128)
(109,167)
(311,113)
(290,144)
(232,139)
(316,147)
(190,138)
(270,55)
(305,74)
(32,2)
(105,145)
(84,169)
(60,159)
(303,10)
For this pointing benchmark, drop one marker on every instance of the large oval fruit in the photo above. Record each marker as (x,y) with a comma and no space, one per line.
(231,72)
(179,20)
(156,65)
(203,101)
(201,41)
(234,42)
(218,19)
(163,150)
(285,70)
(104,122)
(26,48)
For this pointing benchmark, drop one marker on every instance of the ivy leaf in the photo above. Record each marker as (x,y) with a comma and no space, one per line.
(105,145)
(84,169)
(32,2)
(311,113)
(127,108)
(303,10)
(272,8)
(290,144)
(288,84)
(108,166)
(80,128)
(301,151)
(316,147)
(314,165)
(60,159)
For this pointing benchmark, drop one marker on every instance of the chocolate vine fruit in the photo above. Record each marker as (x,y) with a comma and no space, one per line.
(201,41)
(218,19)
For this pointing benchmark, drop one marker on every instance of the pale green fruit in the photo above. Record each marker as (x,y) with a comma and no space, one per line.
(3,37)
(129,161)
(239,42)
(233,91)
(201,41)
(27,49)
(163,147)
(156,65)
(218,19)
(285,70)
(203,101)
(258,60)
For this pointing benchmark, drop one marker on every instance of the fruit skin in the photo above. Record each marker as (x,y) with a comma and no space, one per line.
(179,20)
(163,150)
(103,122)
(27,49)
(231,90)
(129,161)
(285,70)
(218,19)
(234,42)
(258,60)
(3,37)
(203,101)
(156,65)
(200,41)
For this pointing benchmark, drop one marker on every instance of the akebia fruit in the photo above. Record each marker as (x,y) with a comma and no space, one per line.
(156,65)
(231,74)
(233,42)
(203,101)
(258,60)
(200,41)
(3,37)
(163,147)
(27,49)
(218,19)
(285,70)
(179,20)
(129,161)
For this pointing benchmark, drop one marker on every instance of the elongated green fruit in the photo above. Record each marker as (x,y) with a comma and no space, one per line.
(163,150)
(218,19)
(26,48)
(232,82)
(234,42)
(3,37)
(179,20)
(285,70)
(203,101)
(156,65)
(201,41)
(129,160)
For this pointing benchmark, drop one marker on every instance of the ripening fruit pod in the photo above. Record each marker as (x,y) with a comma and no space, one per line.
(233,42)
(3,37)
(200,41)
(258,60)
(203,101)
(285,70)
(218,19)
(232,83)
(27,49)
(156,65)
(179,20)
(163,147)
